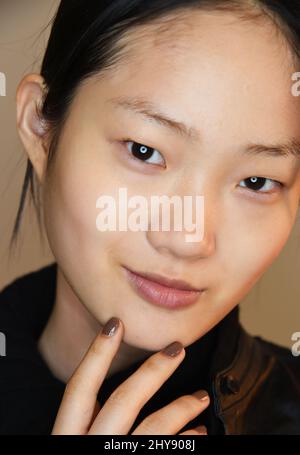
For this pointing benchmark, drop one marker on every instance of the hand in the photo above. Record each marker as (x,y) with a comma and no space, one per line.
(80,412)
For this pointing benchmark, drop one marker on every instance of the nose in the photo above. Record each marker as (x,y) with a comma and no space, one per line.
(174,243)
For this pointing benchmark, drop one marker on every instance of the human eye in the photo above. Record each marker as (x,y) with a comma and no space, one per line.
(144,153)
(256,184)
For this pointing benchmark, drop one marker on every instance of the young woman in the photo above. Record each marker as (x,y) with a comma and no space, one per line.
(161,98)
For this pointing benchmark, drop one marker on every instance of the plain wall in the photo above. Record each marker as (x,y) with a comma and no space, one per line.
(272,308)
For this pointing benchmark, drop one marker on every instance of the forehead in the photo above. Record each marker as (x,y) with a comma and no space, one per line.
(203,65)
(204,34)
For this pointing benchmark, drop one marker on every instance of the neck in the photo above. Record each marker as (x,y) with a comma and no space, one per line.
(69,332)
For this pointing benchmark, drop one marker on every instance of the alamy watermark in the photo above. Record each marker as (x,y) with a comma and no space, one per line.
(140,220)
(296,85)
(2,84)
(2,345)
(296,346)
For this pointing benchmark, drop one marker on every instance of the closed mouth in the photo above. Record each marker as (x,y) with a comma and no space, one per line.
(167,282)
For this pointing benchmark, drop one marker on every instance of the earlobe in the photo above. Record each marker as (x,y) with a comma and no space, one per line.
(31,127)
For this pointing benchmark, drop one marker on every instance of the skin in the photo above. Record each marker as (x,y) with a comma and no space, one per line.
(232,81)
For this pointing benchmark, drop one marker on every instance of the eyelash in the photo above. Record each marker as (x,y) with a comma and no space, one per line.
(280,184)
(144,145)
(265,193)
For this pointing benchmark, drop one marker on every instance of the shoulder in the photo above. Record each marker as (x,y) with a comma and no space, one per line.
(285,357)
(28,392)
(259,392)
(275,404)
(27,300)
(25,305)
(24,284)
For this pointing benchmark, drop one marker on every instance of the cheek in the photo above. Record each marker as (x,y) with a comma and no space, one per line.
(83,171)
(70,211)
(254,247)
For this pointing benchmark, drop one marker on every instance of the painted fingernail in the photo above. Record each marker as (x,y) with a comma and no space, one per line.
(173,349)
(111,327)
(201,430)
(202,395)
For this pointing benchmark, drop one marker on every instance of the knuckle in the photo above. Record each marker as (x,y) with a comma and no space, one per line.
(152,423)
(152,363)
(188,403)
(76,384)
(118,396)
(71,386)
(97,346)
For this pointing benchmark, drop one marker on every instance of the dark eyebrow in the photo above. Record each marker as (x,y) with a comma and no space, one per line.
(290,148)
(140,105)
(149,110)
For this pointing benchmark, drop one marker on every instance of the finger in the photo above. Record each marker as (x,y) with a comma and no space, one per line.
(124,404)
(95,412)
(78,404)
(171,418)
(201,430)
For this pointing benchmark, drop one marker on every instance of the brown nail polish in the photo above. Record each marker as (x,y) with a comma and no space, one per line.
(202,395)
(111,327)
(201,430)
(173,349)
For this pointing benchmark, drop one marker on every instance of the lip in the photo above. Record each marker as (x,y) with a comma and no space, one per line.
(169,293)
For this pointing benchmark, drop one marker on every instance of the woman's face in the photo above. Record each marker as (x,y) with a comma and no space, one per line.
(231,81)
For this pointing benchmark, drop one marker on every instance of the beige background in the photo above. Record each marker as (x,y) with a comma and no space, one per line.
(272,308)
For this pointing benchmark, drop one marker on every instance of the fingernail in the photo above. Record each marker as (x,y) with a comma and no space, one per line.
(202,395)
(173,349)
(111,327)
(201,430)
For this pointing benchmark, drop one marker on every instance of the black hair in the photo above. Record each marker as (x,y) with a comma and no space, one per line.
(85,40)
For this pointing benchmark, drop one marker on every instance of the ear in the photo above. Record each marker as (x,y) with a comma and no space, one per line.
(30,127)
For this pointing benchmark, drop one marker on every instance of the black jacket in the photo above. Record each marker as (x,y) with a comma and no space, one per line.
(254,385)
(259,391)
